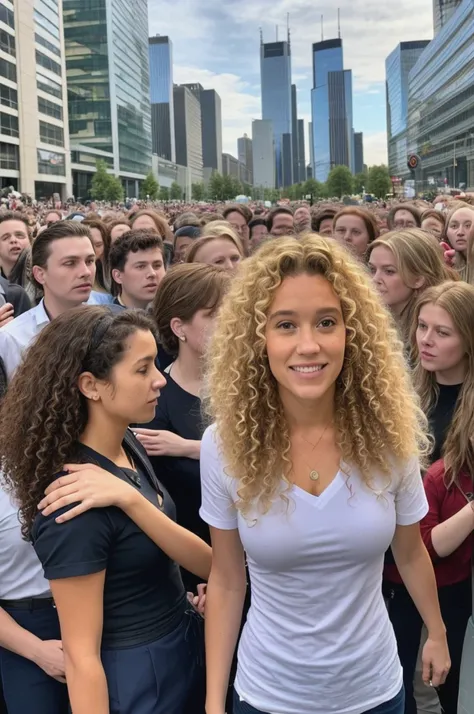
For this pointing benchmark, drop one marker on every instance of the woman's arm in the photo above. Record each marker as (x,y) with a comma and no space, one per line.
(450,534)
(80,608)
(91,487)
(47,654)
(416,570)
(165,443)
(224,604)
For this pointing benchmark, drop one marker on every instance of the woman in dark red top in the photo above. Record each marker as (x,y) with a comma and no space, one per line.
(443,335)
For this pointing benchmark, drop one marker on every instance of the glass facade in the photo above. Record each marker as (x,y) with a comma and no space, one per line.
(51,162)
(161,96)
(441,104)
(108,80)
(327,57)
(275,69)
(442,11)
(397,68)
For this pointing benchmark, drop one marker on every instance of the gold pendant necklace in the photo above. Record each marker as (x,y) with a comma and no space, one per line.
(313,473)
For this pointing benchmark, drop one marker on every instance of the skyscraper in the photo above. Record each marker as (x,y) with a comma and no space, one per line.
(161,96)
(275,69)
(340,118)
(108,83)
(327,58)
(34,140)
(311,144)
(301,153)
(358,152)
(245,153)
(211,126)
(294,132)
(442,11)
(188,131)
(263,147)
(398,65)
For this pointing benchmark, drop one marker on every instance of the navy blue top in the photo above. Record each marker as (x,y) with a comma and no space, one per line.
(144,596)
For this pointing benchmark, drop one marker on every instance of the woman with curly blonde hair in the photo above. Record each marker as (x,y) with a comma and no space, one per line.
(312,470)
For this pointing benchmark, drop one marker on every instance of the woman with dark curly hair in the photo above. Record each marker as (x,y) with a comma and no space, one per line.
(310,471)
(130,643)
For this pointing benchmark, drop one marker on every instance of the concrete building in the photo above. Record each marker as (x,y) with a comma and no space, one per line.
(275,69)
(168,172)
(34,140)
(263,153)
(358,152)
(294,132)
(311,144)
(211,126)
(245,154)
(440,125)
(331,109)
(188,131)
(398,65)
(161,97)
(230,166)
(107,61)
(442,12)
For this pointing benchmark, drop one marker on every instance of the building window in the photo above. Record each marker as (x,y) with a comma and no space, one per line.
(42,21)
(9,125)
(8,97)
(9,156)
(7,42)
(49,45)
(51,134)
(7,69)
(47,85)
(50,162)
(50,108)
(47,63)
(6,16)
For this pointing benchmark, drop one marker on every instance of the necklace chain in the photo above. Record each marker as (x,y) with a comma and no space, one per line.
(313,473)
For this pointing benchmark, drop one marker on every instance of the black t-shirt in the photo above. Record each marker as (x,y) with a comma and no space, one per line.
(442,416)
(179,411)
(144,596)
(15,295)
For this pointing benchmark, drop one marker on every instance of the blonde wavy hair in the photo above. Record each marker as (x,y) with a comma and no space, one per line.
(417,254)
(457,298)
(376,412)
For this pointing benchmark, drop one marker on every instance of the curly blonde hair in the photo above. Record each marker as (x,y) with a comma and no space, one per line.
(377,416)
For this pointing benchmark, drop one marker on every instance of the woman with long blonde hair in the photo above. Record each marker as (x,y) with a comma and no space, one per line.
(311,469)
(404,263)
(218,245)
(444,377)
(459,233)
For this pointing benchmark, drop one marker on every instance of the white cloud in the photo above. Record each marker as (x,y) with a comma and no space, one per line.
(375,148)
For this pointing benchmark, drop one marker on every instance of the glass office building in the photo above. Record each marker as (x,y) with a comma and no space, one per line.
(327,58)
(441,104)
(108,89)
(398,65)
(161,96)
(275,68)
(442,12)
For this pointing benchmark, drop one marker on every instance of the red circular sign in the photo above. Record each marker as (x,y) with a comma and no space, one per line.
(413,161)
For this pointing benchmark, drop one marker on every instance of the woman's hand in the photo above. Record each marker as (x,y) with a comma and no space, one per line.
(436,661)
(90,487)
(199,601)
(163,443)
(449,254)
(6,314)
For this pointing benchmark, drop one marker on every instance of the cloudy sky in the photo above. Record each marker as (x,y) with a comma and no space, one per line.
(216,43)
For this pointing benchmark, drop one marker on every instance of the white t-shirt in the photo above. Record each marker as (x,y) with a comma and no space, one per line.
(318,638)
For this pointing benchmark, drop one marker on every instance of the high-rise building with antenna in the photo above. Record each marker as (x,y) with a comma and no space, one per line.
(275,68)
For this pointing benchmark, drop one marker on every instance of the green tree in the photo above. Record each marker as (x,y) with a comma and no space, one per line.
(114,190)
(198,191)
(228,188)
(314,188)
(360,182)
(100,181)
(215,187)
(237,188)
(149,187)
(379,182)
(247,189)
(340,182)
(164,194)
(176,192)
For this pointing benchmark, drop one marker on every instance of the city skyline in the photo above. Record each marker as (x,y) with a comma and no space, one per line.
(231,62)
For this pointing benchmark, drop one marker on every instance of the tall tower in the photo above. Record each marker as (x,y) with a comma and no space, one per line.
(161,95)
(275,68)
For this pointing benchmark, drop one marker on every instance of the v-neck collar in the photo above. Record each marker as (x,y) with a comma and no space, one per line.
(328,493)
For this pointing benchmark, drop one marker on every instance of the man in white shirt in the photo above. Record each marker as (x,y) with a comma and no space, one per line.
(63,266)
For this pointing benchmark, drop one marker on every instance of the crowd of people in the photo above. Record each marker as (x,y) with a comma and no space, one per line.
(237,457)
